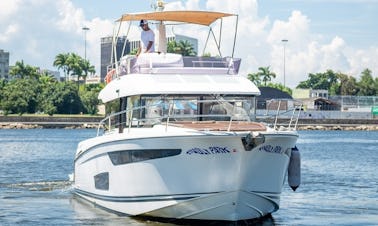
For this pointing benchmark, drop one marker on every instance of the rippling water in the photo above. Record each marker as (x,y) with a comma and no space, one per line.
(339,181)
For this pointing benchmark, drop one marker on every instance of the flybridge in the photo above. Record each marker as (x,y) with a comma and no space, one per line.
(175,18)
(167,63)
(164,18)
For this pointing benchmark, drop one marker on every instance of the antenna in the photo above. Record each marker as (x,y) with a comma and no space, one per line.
(158,5)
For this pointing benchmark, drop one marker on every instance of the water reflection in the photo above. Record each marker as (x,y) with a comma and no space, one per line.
(88,212)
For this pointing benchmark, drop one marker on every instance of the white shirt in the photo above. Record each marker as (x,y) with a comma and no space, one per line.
(146,37)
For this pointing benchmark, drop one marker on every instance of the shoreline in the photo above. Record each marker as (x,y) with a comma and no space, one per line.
(86,125)
(91,122)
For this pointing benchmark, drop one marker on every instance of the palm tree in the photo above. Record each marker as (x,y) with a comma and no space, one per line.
(45,79)
(186,48)
(183,47)
(61,62)
(87,68)
(23,70)
(74,64)
(266,74)
(255,78)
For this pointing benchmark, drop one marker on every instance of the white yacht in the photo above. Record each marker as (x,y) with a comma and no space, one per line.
(181,139)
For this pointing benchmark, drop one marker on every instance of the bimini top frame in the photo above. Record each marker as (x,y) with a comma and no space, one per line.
(193,17)
(205,18)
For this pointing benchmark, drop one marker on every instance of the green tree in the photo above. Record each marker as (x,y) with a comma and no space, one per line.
(345,85)
(266,74)
(90,102)
(263,75)
(367,84)
(255,78)
(87,69)
(319,81)
(75,65)
(20,96)
(89,97)
(61,61)
(22,70)
(67,100)
(3,83)
(281,87)
(45,98)
(183,47)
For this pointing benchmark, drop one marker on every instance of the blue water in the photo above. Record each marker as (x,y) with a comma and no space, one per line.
(339,181)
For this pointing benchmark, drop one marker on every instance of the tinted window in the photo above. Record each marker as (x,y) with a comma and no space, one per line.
(102,181)
(130,156)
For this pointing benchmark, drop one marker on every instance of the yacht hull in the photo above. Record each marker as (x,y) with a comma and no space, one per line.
(211,177)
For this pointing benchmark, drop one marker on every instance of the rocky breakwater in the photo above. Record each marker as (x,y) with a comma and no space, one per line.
(338,127)
(35,122)
(77,122)
(338,124)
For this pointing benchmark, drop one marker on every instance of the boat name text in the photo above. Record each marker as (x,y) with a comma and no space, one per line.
(271,149)
(208,151)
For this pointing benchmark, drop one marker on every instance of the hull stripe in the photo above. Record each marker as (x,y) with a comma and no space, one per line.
(156,198)
(153,198)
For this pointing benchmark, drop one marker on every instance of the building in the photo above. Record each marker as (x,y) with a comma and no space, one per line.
(315,99)
(271,98)
(106,52)
(310,93)
(93,80)
(4,64)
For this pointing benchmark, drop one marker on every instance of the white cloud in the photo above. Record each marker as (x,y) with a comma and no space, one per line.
(8,8)
(333,56)
(37,30)
(70,19)
(361,59)
(181,5)
(241,7)
(9,31)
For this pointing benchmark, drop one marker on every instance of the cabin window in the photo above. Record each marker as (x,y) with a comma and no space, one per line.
(102,181)
(132,156)
(149,110)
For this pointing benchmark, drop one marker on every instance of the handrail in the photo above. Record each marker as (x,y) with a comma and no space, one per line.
(165,117)
(231,113)
(127,66)
(284,114)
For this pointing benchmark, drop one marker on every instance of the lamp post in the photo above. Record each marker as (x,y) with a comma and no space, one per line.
(284,41)
(85,29)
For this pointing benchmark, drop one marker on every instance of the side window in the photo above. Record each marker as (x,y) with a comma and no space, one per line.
(102,181)
(131,156)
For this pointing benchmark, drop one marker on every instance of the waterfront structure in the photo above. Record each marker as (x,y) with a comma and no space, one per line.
(4,64)
(310,93)
(356,103)
(93,79)
(270,97)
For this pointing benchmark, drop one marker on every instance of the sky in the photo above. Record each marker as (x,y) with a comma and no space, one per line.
(341,35)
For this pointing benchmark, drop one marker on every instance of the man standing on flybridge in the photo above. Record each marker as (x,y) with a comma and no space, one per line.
(147,38)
